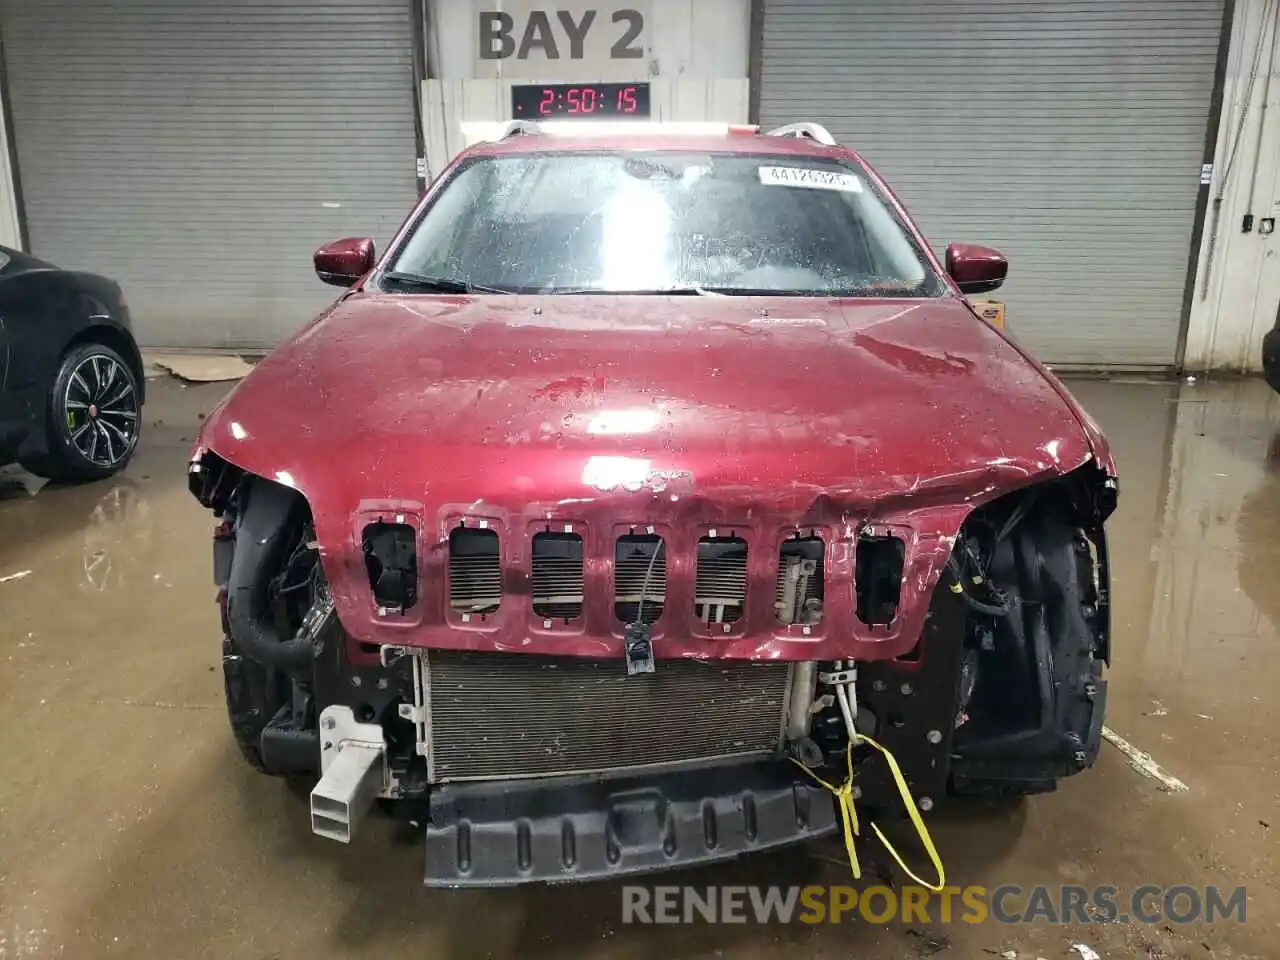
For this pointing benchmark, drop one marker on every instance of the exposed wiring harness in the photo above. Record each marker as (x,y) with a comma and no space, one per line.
(304,558)
(999,608)
(969,571)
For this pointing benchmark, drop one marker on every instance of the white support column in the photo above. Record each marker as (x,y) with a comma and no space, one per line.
(1237,290)
(10,232)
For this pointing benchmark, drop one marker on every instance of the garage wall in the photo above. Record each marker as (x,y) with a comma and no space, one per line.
(679,38)
(693,53)
(1237,293)
(198,152)
(1069,135)
(448,104)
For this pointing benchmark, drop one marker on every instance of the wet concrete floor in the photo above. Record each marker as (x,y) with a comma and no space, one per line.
(130,827)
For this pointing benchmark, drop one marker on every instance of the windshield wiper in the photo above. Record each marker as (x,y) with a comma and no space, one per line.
(693,291)
(438,284)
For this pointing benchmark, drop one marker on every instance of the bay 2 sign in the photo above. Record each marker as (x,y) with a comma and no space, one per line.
(582,34)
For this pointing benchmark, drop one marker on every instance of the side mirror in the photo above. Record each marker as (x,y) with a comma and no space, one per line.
(976,269)
(343,262)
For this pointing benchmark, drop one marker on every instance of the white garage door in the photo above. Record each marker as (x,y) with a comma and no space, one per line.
(199,151)
(1068,135)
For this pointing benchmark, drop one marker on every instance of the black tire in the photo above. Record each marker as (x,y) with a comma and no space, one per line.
(87,441)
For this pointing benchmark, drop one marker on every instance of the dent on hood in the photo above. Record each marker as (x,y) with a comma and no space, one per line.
(905,423)
(615,493)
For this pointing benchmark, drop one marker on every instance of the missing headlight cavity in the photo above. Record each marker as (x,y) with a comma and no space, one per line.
(721,589)
(557,575)
(1031,569)
(801,572)
(475,571)
(878,578)
(391,559)
(639,558)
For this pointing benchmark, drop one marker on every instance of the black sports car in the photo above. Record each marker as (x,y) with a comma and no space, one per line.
(71,383)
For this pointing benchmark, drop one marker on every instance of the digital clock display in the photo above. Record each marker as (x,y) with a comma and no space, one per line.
(540,101)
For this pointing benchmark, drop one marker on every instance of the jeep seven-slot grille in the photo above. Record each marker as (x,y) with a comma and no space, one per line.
(495,715)
(721,588)
(475,571)
(557,575)
(637,569)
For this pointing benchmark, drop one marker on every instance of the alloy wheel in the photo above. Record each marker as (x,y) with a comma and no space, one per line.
(101,410)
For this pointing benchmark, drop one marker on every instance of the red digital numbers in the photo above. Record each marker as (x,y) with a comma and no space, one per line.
(580,100)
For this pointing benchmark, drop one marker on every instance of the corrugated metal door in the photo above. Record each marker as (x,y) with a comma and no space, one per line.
(199,151)
(1068,135)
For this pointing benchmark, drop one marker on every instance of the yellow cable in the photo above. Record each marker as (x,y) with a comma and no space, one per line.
(849,816)
(848,813)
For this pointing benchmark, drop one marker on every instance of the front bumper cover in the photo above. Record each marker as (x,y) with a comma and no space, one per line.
(567,830)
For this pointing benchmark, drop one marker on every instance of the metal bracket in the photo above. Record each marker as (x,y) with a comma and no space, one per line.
(353,760)
(414,714)
(418,713)
(838,677)
(638,647)
(339,727)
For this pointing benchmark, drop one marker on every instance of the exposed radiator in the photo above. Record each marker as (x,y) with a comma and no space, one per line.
(721,586)
(558,589)
(493,715)
(475,571)
(634,566)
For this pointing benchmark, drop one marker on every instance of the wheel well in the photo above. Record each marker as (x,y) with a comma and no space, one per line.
(119,341)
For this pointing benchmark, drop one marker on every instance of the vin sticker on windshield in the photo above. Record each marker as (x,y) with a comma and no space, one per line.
(810,178)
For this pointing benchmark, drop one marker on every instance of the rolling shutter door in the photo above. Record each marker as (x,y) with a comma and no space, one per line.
(198,152)
(1067,135)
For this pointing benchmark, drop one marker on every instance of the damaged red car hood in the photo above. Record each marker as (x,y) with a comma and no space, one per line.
(677,412)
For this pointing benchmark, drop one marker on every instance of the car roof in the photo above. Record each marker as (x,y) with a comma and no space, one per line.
(18,261)
(591,141)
